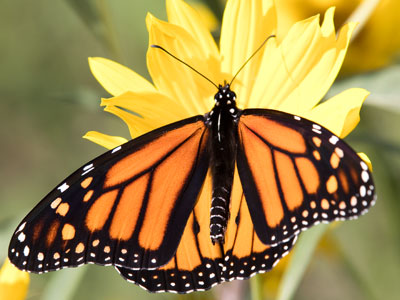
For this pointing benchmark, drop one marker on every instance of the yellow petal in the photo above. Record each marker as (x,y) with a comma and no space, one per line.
(281,71)
(147,105)
(13,282)
(312,57)
(341,113)
(105,140)
(322,75)
(366,159)
(301,55)
(152,110)
(117,79)
(181,14)
(173,78)
(271,80)
(136,124)
(246,24)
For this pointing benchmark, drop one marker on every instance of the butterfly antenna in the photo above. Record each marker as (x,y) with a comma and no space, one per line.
(255,52)
(186,64)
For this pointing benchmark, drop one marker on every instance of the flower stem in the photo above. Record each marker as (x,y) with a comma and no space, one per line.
(256,288)
(362,14)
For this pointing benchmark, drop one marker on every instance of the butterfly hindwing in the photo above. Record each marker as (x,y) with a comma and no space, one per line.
(198,264)
(296,173)
(109,211)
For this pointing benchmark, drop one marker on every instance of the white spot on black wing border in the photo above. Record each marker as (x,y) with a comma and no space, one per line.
(116,149)
(62,188)
(209,273)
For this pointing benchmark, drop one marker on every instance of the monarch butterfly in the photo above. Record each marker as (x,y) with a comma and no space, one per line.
(204,200)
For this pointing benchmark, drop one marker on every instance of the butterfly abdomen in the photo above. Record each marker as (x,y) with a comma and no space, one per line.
(222,123)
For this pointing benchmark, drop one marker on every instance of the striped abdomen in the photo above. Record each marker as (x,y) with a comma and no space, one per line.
(219,213)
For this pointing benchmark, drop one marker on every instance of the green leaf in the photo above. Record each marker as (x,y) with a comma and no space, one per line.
(301,256)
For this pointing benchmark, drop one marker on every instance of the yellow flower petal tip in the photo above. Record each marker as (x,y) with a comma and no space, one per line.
(328,27)
(13,282)
(151,21)
(116,78)
(366,159)
(341,113)
(107,141)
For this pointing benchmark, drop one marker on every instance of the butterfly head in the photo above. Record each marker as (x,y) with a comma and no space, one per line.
(225,96)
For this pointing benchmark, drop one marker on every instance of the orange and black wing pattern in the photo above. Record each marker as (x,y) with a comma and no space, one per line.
(124,208)
(198,264)
(295,174)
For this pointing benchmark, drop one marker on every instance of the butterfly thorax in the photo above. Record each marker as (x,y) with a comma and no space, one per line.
(222,123)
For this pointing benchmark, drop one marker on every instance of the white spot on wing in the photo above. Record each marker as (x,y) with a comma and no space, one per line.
(364,165)
(63,187)
(364,176)
(87,171)
(21,227)
(363,191)
(316,131)
(21,237)
(40,256)
(116,149)
(334,139)
(85,168)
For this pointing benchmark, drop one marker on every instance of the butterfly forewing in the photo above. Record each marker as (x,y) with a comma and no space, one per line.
(296,173)
(109,211)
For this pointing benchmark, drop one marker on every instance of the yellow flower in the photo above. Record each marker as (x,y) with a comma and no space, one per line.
(378,42)
(13,282)
(291,73)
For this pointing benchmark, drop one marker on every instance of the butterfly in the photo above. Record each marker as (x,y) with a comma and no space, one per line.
(204,200)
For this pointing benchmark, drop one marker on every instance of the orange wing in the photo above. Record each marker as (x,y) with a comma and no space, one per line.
(198,264)
(109,211)
(295,174)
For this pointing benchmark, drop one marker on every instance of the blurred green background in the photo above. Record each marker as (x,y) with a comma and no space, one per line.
(49,99)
